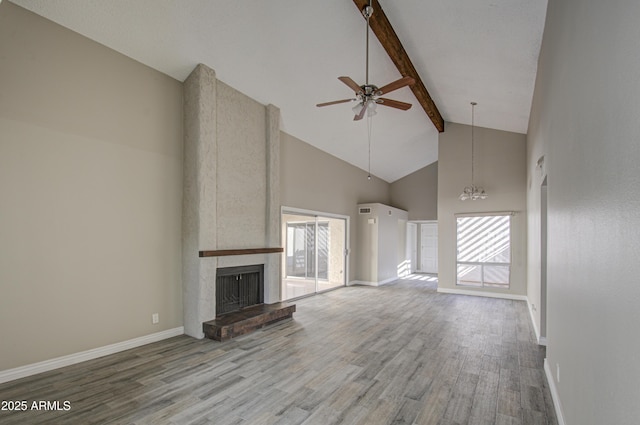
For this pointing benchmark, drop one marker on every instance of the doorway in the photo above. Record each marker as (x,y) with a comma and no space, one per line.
(428,247)
(315,250)
(543,261)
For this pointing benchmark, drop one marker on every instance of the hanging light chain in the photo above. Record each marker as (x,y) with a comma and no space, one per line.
(473,105)
(367,12)
(473,192)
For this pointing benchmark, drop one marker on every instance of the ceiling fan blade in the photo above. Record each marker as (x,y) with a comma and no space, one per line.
(393,103)
(352,84)
(334,102)
(362,111)
(404,81)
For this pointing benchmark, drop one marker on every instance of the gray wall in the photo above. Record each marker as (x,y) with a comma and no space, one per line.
(91,175)
(500,168)
(314,180)
(585,121)
(417,193)
(90,193)
(381,245)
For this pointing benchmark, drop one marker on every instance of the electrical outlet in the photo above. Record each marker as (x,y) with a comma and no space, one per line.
(558,373)
(155,318)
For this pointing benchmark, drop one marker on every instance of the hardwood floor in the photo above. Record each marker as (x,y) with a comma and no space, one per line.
(396,354)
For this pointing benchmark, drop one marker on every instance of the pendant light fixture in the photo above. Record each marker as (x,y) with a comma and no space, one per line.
(472,192)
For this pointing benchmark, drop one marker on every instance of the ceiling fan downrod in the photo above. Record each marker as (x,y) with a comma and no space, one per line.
(367,12)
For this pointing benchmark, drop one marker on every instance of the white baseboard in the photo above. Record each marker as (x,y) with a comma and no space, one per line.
(483,294)
(361,282)
(47,365)
(369,283)
(554,393)
(390,280)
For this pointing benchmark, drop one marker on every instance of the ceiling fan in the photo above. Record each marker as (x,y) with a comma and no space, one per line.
(368,95)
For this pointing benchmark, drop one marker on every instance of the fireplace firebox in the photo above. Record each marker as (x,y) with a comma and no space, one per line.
(239,287)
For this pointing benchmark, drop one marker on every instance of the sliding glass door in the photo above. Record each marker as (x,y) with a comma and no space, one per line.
(315,250)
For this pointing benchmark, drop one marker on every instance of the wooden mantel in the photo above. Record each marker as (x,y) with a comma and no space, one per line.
(248,251)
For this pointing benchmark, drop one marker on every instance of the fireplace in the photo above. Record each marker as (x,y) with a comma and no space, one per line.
(239,287)
(240,301)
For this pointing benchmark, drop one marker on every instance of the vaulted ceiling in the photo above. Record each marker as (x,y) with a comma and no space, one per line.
(290,52)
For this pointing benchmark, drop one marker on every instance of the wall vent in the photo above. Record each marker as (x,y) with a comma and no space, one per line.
(364,210)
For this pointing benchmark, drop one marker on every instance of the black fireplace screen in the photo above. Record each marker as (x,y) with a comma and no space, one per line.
(239,287)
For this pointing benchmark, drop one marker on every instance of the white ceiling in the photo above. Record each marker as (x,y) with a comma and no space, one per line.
(290,52)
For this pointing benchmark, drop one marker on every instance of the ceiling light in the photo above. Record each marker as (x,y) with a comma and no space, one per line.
(368,95)
(371,108)
(472,192)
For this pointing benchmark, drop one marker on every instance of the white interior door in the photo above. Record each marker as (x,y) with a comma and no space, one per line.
(429,247)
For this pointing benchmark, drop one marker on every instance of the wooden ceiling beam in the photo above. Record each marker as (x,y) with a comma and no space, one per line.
(382,28)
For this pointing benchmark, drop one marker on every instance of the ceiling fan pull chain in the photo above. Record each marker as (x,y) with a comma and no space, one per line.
(369,126)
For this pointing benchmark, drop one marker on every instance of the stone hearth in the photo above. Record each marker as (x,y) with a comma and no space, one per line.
(247,320)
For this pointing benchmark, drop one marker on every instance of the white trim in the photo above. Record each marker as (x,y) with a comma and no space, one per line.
(347,237)
(483,294)
(485,214)
(363,283)
(58,362)
(312,213)
(369,283)
(541,339)
(533,321)
(554,393)
(391,279)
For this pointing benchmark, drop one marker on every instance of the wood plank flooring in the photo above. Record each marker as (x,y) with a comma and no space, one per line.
(396,354)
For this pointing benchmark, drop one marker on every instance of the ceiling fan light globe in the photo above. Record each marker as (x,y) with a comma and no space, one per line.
(371,108)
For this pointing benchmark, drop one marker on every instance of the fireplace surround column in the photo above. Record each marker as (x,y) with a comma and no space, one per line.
(231,198)
(272,213)
(199,198)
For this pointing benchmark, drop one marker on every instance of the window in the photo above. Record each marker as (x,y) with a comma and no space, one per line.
(484,250)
